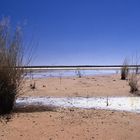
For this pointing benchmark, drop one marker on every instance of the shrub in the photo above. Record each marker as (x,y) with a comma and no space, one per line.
(124,70)
(135,61)
(79,74)
(11,58)
(133,83)
(137,69)
(33,86)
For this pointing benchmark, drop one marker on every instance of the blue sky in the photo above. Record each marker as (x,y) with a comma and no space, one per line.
(76,32)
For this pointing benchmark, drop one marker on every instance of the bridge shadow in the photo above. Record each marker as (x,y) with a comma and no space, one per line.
(31,109)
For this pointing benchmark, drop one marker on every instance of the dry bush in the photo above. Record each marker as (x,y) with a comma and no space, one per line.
(33,86)
(137,69)
(134,76)
(135,61)
(11,57)
(124,70)
(79,74)
(134,83)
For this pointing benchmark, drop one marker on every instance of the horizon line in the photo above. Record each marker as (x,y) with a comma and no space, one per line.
(76,66)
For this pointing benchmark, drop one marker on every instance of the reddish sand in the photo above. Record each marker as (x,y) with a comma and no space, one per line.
(74,124)
(109,85)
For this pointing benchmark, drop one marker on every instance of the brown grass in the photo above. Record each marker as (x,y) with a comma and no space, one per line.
(124,70)
(134,83)
(11,57)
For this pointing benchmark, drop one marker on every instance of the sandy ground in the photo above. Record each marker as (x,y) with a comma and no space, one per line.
(109,85)
(74,124)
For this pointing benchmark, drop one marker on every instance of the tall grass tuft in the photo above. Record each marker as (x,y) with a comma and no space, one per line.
(11,57)
(134,77)
(79,74)
(124,70)
(134,83)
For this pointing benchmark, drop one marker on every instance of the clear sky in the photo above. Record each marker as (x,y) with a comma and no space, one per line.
(75,32)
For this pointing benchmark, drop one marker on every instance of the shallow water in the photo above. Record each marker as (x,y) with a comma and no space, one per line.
(130,104)
(67,73)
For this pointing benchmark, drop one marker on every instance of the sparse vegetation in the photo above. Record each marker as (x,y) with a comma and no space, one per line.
(124,70)
(11,57)
(134,77)
(137,69)
(33,86)
(79,74)
(135,61)
(33,83)
(134,83)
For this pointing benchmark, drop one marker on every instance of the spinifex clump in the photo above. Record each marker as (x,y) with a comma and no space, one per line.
(11,57)
(133,83)
(124,70)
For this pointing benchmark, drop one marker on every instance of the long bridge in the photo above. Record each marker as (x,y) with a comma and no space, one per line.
(79,67)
